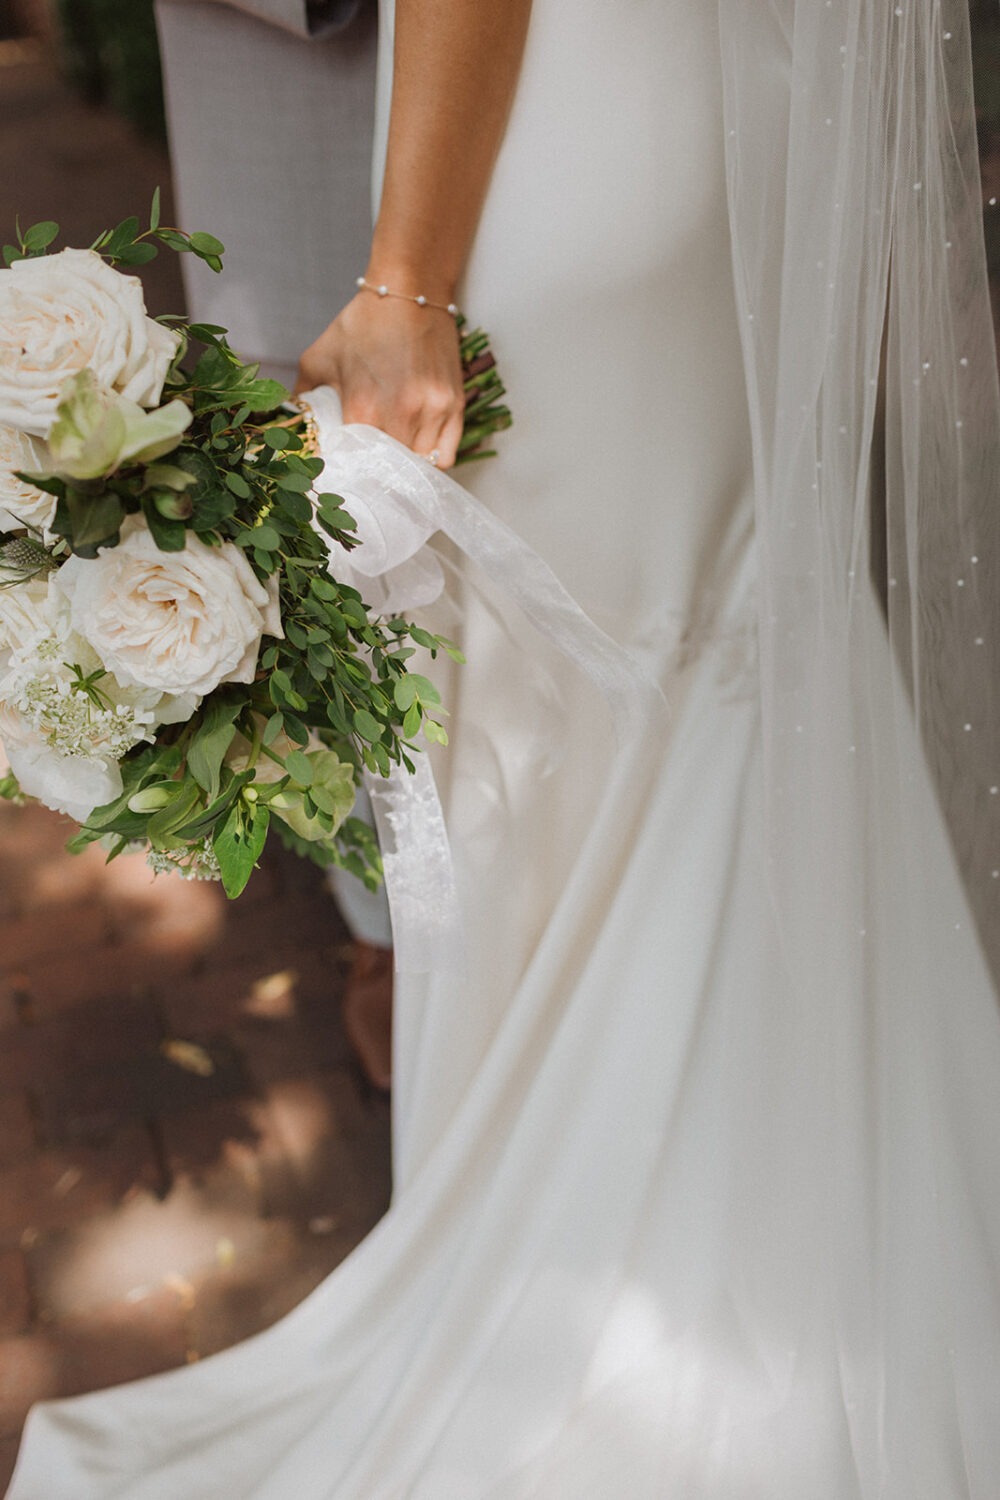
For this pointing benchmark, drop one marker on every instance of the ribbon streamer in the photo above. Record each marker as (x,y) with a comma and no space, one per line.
(399,502)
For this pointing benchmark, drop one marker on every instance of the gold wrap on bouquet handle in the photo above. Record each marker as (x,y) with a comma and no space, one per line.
(399,502)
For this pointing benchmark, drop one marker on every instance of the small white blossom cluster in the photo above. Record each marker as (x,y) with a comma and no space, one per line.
(193,862)
(57,685)
(58,705)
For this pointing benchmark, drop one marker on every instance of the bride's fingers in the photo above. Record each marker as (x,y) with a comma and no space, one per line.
(439,436)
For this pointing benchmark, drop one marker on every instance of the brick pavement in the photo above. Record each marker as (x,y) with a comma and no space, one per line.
(185,1146)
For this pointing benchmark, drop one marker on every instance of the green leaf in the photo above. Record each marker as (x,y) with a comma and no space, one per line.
(161,830)
(154,210)
(137,255)
(294,481)
(174,239)
(239,842)
(90,520)
(354,611)
(423,638)
(236,483)
(206,244)
(435,732)
(299,507)
(121,236)
(264,395)
(40,236)
(213,739)
(367,726)
(209,332)
(426,690)
(208,819)
(282,692)
(279,438)
(273,728)
(295,729)
(10,254)
(297,764)
(325,590)
(333,521)
(411,720)
(405,693)
(265,537)
(321,657)
(170,535)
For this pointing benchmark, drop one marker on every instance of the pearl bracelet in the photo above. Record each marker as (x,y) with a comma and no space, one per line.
(421,301)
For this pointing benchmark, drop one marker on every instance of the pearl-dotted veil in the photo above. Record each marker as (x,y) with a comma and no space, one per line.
(861,284)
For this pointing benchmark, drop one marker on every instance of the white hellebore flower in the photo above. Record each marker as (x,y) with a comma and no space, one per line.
(72,784)
(180,622)
(60,314)
(63,741)
(21,504)
(97,431)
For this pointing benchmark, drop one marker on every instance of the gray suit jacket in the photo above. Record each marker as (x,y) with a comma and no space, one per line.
(304,18)
(270,106)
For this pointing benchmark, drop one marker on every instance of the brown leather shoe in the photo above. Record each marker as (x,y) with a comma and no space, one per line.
(366,1010)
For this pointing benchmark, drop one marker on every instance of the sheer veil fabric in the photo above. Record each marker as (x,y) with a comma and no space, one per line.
(856,218)
(695,1173)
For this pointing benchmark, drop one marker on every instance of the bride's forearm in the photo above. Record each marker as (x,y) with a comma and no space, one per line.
(455,69)
(396,365)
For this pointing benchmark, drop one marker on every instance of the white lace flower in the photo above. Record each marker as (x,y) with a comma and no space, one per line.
(65,721)
(71,784)
(60,314)
(191,862)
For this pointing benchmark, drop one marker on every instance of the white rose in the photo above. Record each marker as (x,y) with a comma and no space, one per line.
(24,614)
(21,504)
(60,314)
(72,784)
(181,622)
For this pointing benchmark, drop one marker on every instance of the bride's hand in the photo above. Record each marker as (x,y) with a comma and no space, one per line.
(396,367)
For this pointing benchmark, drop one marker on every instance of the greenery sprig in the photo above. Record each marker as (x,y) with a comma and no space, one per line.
(125,245)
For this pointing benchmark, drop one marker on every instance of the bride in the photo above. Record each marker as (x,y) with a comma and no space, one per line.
(695,1158)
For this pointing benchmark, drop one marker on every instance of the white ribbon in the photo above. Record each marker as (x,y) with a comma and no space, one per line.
(399,502)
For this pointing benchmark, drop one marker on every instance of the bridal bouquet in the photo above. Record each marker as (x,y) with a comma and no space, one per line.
(180,669)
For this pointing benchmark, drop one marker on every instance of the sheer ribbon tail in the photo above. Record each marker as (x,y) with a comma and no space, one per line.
(399,503)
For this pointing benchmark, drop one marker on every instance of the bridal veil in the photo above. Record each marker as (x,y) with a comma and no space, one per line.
(860,277)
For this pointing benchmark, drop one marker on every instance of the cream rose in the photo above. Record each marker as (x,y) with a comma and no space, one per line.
(63,313)
(24,615)
(181,622)
(21,504)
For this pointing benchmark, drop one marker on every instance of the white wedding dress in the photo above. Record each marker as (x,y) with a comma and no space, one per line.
(663,1228)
